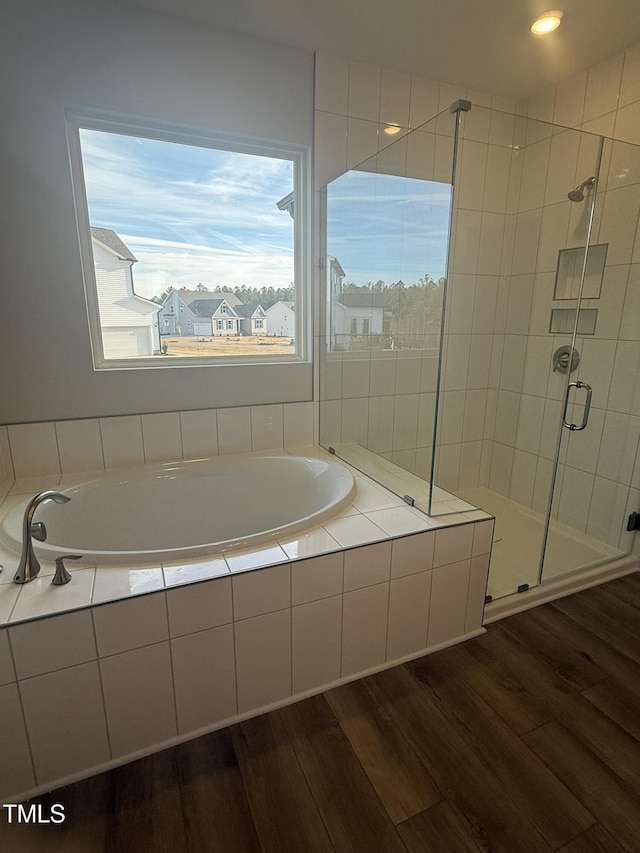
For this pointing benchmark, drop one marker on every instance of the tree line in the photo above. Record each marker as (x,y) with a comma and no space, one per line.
(266,296)
(411,310)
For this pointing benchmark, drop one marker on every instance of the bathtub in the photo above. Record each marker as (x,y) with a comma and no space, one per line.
(185,510)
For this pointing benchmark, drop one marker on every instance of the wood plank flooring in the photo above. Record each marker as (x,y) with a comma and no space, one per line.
(524,740)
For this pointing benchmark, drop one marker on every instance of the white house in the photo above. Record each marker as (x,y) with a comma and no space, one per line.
(281,319)
(129,323)
(357,315)
(252,319)
(224,320)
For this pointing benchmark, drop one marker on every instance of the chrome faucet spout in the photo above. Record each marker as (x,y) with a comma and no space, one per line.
(29,566)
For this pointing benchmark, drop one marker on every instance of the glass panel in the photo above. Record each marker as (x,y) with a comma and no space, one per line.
(501,399)
(386,256)
(598,479)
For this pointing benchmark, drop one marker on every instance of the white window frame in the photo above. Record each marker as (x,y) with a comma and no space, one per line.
(299,155)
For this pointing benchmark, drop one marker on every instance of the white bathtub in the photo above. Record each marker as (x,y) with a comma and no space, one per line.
(189,509)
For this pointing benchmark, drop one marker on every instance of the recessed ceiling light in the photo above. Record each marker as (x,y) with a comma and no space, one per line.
(547,22)
(392,129)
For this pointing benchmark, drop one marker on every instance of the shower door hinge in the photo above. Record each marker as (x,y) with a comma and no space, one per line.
(633,522)
(488,599)
(523,587)
(408,500)
(332,450)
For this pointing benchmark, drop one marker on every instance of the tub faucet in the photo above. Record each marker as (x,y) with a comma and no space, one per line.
(29,566)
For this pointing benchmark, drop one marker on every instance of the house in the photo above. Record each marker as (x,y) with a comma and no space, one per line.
(175,316)
(358,314)
(281,319)
(252,319)
(190,312)
(224,319)
(333,288)
(129,323)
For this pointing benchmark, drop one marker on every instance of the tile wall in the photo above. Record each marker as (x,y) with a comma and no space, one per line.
(71,447)
(501,401)
(386,402)
(599,475)
(164,666)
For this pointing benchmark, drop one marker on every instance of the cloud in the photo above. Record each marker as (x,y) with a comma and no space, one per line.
(388,227)
(163,262)
(191,214)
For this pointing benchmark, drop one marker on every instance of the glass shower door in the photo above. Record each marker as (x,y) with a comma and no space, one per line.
(597,481)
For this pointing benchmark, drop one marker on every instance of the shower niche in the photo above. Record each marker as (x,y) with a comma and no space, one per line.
(570,275)
(458,260)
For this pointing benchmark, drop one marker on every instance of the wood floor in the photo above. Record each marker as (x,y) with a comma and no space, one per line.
(524,739)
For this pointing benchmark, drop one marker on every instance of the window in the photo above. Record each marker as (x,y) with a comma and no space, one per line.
(163,209)
(259,324)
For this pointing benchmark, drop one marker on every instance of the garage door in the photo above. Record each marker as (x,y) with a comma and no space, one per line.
(124,342)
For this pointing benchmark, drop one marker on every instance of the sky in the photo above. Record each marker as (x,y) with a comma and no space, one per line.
(195,215)
(191,214)
(388,227)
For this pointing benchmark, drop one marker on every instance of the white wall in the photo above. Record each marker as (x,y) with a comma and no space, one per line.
(104,56)
(387,401)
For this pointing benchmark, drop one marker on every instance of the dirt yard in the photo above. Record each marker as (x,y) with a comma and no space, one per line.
(245,345)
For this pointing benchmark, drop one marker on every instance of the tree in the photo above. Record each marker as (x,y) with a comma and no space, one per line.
(160,299)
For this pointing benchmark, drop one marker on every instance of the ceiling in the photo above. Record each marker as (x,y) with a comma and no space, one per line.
(484,45)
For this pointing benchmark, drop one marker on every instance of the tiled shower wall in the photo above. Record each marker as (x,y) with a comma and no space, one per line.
(478,297)
(599,474)
(68,447)
(501,402)
(386,401)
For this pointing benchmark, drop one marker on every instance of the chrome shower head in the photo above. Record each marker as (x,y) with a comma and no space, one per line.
(578,193)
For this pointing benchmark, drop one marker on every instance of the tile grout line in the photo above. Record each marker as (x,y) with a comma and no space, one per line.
(102,693)
(24,716)
(171,664)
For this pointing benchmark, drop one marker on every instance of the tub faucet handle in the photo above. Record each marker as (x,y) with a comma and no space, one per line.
(62,575)
(39,531)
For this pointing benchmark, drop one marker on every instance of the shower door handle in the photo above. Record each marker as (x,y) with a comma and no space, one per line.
(587,406)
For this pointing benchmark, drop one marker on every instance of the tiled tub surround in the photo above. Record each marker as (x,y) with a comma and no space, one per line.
(145,657)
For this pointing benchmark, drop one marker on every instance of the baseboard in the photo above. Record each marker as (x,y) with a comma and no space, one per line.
(552,590)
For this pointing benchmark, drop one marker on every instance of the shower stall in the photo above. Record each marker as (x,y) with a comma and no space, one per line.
(480,337)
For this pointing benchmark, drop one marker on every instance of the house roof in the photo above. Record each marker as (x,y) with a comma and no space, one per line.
(336,265)
(287,203)
(189,296)
(248,310)
(362,300)
(206,307)
(110,239)
(286,303)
